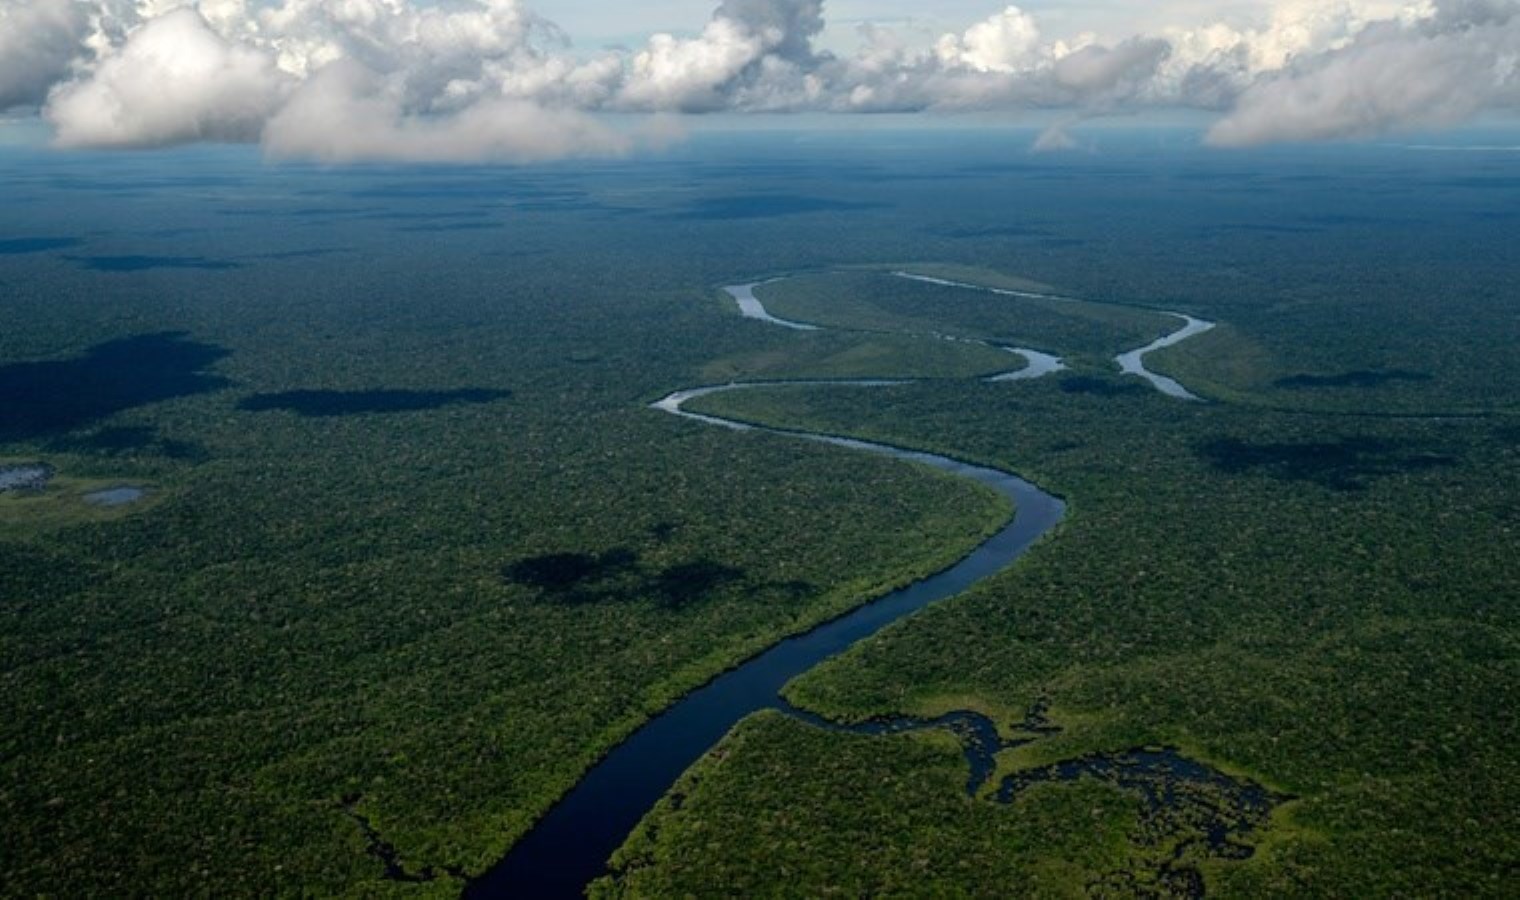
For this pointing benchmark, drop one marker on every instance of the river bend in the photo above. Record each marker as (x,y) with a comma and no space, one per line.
(569,847)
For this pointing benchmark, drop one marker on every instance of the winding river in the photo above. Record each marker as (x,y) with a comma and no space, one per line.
(1133,362)
(751,307)
(570,846)
(1036,363)
(1130,363)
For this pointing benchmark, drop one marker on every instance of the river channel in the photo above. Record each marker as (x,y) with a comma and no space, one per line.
(569,847)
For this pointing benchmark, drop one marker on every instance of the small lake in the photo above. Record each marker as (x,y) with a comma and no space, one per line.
(27,477)
(117,496)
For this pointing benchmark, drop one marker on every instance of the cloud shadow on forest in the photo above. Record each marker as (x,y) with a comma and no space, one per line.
(326,404)
(765,206)
(149,263)
(1348,464)
(580,579)
(129,441)
(1363,378)
(21,246)
(47,398)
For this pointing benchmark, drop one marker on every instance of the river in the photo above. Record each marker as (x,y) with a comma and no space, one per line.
(569,847)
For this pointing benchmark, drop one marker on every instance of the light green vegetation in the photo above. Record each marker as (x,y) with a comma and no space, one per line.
(880,301)
(62,504)
(977,275)
(836,355)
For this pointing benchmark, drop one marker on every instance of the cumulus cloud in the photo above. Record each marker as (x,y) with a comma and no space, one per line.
(174,81)
(690,75)
(753,55)
(1003,43)
(1427,72)
(788,26)
(489,79)
(39,40)
(347,114)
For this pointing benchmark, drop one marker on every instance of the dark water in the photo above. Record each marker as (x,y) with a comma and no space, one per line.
(570,846)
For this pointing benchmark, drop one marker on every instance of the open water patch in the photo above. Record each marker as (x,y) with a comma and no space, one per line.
(116,496)
(25,477)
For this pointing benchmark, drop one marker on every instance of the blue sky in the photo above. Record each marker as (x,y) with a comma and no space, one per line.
(596,23)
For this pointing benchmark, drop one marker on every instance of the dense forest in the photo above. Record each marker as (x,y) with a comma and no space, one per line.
(413,550)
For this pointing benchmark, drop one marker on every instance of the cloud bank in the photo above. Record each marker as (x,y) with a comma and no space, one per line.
(457,80)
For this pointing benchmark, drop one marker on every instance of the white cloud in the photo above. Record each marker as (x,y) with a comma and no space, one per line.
(1104,71)
(1003,43)
(459,79)
(688,75)
(787,26)
(1416,73)
(174,81)
(346,114)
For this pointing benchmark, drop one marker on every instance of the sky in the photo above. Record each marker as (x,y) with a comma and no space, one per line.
(597,23)
(527,80)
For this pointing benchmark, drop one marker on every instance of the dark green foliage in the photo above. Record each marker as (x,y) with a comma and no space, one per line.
(1102,387)
(312,608)
(1220,586)
(314,613)
(125,442)
(318,404)
(785,809)
(1345,465)
(1361,378)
